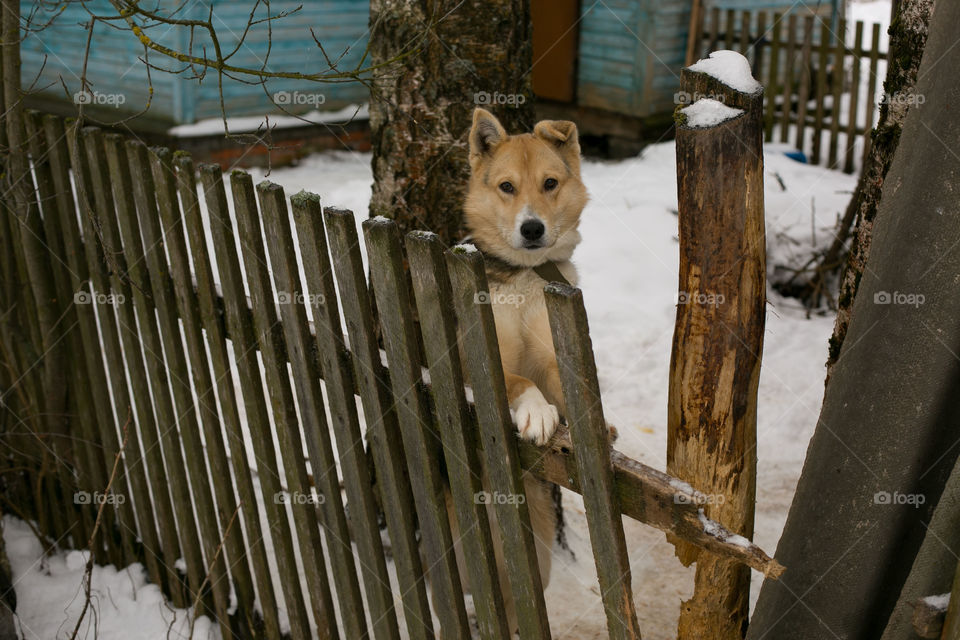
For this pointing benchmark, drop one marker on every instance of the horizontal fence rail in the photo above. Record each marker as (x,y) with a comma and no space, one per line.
(231,392)
(821,84)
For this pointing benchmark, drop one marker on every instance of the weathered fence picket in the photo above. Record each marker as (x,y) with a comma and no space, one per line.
(239,324)
(458,429)
(421,444)
(496,433)
(153,344)
(212,562)
(337,372)
(274,353)
(124,224)
(591,437)
(383,431)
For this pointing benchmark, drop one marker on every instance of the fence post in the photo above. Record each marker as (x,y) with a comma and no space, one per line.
(718,338)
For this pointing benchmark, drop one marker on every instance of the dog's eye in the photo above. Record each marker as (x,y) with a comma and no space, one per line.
(506,187)
(549,184)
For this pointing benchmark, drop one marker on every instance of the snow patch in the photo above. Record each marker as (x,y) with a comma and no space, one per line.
(708,112)
(730,68)
(466,248)
(940,602)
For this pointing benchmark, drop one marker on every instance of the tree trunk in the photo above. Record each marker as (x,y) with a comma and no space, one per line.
(886,439)
(908,37)
(475,53)
(717,342)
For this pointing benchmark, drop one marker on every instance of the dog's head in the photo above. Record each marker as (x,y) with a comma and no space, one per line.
(525,194)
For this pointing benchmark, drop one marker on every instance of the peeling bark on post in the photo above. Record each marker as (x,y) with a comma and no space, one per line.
(717,343)
(468,54)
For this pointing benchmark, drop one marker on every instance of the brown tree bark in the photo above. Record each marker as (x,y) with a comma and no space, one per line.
(474,53)
(908,37)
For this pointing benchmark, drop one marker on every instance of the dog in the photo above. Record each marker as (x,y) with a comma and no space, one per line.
(522,211)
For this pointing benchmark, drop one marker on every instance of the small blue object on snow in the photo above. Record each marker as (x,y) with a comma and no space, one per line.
(799,156)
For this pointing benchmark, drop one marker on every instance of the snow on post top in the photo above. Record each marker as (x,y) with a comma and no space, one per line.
(730,68)
(707,112)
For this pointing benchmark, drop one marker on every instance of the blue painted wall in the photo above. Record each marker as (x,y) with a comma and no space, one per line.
(630,54)
(54,56)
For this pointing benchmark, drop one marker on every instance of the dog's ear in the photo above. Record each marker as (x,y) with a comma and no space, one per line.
(561,135)
(486,133)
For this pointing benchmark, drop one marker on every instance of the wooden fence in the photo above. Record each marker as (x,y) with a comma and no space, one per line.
(201,370)
(821,93)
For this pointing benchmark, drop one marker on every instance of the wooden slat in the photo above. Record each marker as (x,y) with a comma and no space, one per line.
(773,77)
(234,544)
(803,96)
(109,337)
(125,230)
(127,329)
(201,496)
(591,441)
(274,352)
(731,25)
(839,54)
(70,448)
(337,372)
(499,441)
(458,428)
(223,381)
(239,323)
(871,87)
(822,49)
(421,442)
(144,304)
(787,95)
(758,44)
(695,31)
(90,370)
(383,432)
(745,18)
(714,29)
(306,376)
(854,100)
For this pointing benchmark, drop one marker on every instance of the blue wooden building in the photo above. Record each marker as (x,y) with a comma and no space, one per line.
(618,56)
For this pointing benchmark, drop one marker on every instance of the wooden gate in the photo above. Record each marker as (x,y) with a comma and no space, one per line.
(201,371)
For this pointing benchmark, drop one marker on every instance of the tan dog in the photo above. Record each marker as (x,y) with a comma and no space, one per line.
(522,209)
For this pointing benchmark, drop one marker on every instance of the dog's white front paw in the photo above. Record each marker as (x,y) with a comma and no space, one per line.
(536,418)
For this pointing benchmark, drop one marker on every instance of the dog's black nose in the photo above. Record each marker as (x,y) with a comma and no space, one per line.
(531,230)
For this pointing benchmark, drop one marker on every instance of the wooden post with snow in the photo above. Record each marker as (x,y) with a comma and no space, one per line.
(718,337)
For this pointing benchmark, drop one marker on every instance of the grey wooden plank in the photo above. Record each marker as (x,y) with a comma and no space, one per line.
(499,440)
(337,370)
(213,323)
(458,427)
(421,442)
(109,339)
(591,440)
(306,375)
(101,178)
(274,352)
(383,432)
(126,231)
(71,445)
(239,322)
(185,421)
(234,546)
(90,371)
